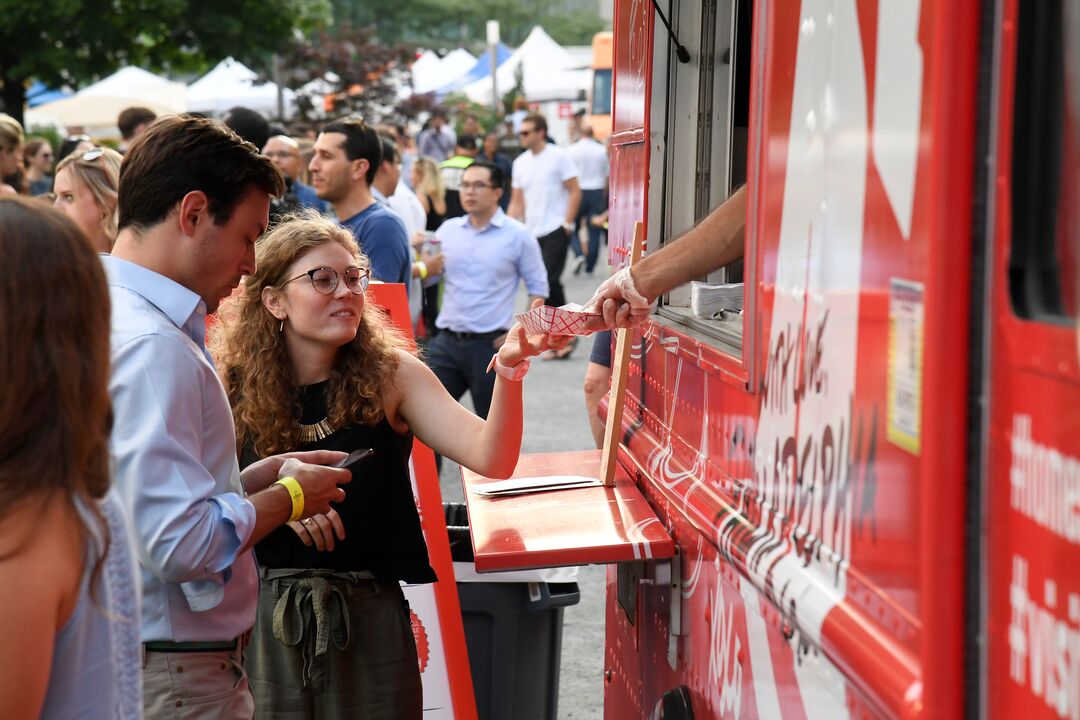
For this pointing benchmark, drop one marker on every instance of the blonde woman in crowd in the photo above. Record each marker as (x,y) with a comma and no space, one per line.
(430,191)
(85,188)
(309,363)
(432,195)
(11,142)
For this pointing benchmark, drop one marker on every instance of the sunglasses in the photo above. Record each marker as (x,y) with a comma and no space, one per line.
(93,154)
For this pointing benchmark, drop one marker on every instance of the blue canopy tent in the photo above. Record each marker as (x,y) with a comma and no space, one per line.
(39,94)
(482,69)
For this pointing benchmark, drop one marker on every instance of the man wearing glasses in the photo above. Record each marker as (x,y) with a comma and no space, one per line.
(284,152)
(193,200)
(546,197)
(485,254)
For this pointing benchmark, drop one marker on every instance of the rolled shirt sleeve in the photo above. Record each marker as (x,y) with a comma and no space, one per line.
(531,266)
(190,522)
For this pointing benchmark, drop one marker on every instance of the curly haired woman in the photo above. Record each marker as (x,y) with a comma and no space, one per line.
(309,364)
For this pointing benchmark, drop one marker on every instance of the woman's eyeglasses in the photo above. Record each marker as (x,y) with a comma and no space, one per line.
(325,280)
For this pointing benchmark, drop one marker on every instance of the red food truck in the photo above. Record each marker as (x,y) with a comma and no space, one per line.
(870,476)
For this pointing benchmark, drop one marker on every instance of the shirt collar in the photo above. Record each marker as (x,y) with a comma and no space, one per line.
(497,220)
(175,301)
(377,194)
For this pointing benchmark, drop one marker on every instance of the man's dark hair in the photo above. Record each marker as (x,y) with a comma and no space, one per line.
(467,142)
(249,125)
(389,149)
(179,154)
(361,143)
(539,122)
(131,118)
(495,175)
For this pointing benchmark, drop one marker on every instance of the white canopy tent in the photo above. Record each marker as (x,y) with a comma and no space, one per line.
(95,114)
(96,107)
(548,71)
(140,87)
(431,72)
(232,83)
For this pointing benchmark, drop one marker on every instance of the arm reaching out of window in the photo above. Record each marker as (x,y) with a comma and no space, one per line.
(627,297)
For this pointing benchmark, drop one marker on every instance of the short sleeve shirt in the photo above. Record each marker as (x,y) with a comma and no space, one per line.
(542,177)
(382,237)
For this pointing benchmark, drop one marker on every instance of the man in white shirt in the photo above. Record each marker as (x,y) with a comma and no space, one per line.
(389,190)
(593,167)
(546,198)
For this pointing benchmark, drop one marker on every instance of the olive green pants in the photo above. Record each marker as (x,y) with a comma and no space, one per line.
(332,646)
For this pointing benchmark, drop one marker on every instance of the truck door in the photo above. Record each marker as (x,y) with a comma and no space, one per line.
(1030,568)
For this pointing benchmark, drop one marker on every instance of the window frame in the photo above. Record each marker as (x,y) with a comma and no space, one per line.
(678,131)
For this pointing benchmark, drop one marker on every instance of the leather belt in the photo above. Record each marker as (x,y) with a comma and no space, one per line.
(190,647)
(490,335)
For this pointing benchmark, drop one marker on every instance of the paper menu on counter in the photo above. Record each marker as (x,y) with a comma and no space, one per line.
(520,486)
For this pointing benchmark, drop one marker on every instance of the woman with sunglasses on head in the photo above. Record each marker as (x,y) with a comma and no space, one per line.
(308,363)
(85,189)
(69,608)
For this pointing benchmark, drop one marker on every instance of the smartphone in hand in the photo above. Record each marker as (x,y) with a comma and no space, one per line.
(354,457)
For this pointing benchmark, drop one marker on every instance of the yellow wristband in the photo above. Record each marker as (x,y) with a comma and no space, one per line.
(421,267)
(296,493)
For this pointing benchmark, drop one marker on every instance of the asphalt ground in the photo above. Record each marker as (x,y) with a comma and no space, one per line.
(555,420)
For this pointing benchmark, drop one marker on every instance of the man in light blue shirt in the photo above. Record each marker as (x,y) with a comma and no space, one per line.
(193,199)
(486,255)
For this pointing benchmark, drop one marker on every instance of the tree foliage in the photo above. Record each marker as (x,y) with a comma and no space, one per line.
(72,42)
(360,73)
(456,23)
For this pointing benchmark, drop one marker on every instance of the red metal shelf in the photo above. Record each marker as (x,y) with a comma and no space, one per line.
(563,527)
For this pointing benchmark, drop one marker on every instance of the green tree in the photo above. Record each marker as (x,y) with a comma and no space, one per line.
(456,23)
(75,41)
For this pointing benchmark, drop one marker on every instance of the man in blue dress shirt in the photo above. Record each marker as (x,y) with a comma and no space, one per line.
(347,156)
(486,254)
(193,199)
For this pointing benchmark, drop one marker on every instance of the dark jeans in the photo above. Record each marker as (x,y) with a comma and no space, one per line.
(461,364)
(553,247)
(593,202)
(430,310)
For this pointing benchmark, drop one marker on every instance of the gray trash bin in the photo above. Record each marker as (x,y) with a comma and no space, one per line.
(513,631)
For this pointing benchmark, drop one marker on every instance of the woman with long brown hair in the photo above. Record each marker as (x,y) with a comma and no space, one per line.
(68,609)
(309,364)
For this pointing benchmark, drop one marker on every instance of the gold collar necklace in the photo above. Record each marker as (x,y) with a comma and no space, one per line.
(315,431)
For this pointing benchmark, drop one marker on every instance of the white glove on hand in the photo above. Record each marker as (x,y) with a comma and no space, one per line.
(619,302)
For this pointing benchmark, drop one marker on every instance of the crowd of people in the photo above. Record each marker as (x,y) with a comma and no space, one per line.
(215,545)
(213,561)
